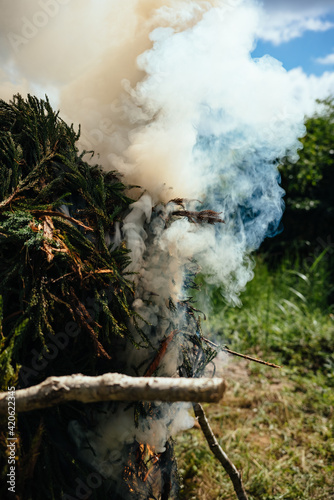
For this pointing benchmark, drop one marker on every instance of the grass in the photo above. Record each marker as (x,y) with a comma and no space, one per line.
(277,426)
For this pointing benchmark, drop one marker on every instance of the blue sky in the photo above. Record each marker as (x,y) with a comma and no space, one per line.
(304,51)
(299,34)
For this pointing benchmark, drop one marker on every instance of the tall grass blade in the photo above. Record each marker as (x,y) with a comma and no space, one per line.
(319,259)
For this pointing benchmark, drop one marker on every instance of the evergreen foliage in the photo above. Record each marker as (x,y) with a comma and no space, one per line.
(63,291)
(55,211)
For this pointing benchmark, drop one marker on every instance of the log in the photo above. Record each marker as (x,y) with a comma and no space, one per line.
(113,387)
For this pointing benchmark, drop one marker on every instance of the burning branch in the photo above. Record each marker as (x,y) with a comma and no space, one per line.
(113,387)
(209,216)
(219,453)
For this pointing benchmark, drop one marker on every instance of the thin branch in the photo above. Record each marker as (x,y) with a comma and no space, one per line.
(113,387)
(85,319)
(52,213)
(160,355)
(244,356)
(6,202)
(219,453)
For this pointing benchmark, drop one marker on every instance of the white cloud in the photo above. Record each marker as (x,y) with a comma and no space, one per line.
(288,19)
(308,88)
(282,26)
(303,7)
(327,60)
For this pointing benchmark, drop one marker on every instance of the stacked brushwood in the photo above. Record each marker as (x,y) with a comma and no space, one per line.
(64,291)
(65,297)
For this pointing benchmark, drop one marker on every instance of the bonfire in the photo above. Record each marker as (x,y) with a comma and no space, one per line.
(166,180)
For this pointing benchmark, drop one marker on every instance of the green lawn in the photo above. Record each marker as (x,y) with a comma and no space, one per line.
(277,426)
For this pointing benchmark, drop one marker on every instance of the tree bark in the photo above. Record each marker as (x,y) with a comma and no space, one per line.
(113,387)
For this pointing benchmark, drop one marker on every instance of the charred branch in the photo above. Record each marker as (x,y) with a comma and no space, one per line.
(160,354)
(208,216)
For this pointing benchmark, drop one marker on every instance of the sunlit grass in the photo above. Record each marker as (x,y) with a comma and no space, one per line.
(277,426)
(278,431)
(285,315)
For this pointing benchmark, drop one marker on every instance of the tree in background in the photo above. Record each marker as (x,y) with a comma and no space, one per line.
(309,214)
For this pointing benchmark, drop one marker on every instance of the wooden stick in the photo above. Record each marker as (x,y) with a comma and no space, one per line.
(113,387)
(219,453)
(244,356)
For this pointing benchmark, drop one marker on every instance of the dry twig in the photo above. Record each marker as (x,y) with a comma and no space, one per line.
(219,453)
(244,356)
(52,213)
